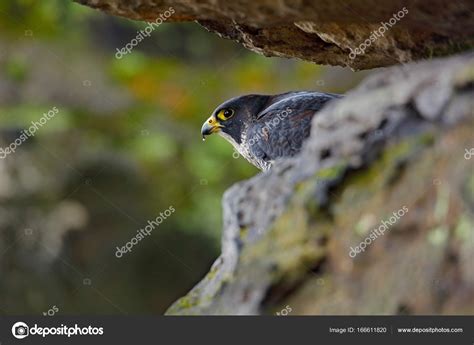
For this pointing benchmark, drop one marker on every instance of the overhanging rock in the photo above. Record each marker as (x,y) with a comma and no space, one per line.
(323,31)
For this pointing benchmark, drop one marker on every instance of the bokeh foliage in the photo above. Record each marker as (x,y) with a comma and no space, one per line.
(125,146)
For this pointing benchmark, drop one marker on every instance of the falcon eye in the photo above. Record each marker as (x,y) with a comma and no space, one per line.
(225,114)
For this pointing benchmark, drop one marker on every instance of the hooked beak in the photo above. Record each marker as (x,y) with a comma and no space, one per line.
(210,126)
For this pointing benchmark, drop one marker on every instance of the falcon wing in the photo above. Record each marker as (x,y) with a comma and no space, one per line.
(281,128)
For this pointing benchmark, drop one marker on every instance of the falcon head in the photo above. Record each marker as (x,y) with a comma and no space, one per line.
(232,117)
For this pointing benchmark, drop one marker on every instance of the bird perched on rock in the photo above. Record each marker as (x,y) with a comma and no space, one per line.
(263,128)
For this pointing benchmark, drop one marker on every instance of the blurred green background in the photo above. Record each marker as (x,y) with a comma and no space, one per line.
(124,147)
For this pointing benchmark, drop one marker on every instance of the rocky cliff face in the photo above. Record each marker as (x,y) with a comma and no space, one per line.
(376,214)
(323,31)
(388,165)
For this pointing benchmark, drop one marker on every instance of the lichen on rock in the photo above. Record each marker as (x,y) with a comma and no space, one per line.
(288,232)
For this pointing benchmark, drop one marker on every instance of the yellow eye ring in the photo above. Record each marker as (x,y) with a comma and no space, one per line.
(225,114)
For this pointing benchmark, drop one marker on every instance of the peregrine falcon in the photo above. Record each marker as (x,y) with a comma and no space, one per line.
(263,128)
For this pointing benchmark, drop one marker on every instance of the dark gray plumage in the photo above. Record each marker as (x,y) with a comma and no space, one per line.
(263,128)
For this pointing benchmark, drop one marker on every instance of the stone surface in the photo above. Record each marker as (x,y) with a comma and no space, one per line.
(398,140)
(321,31)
